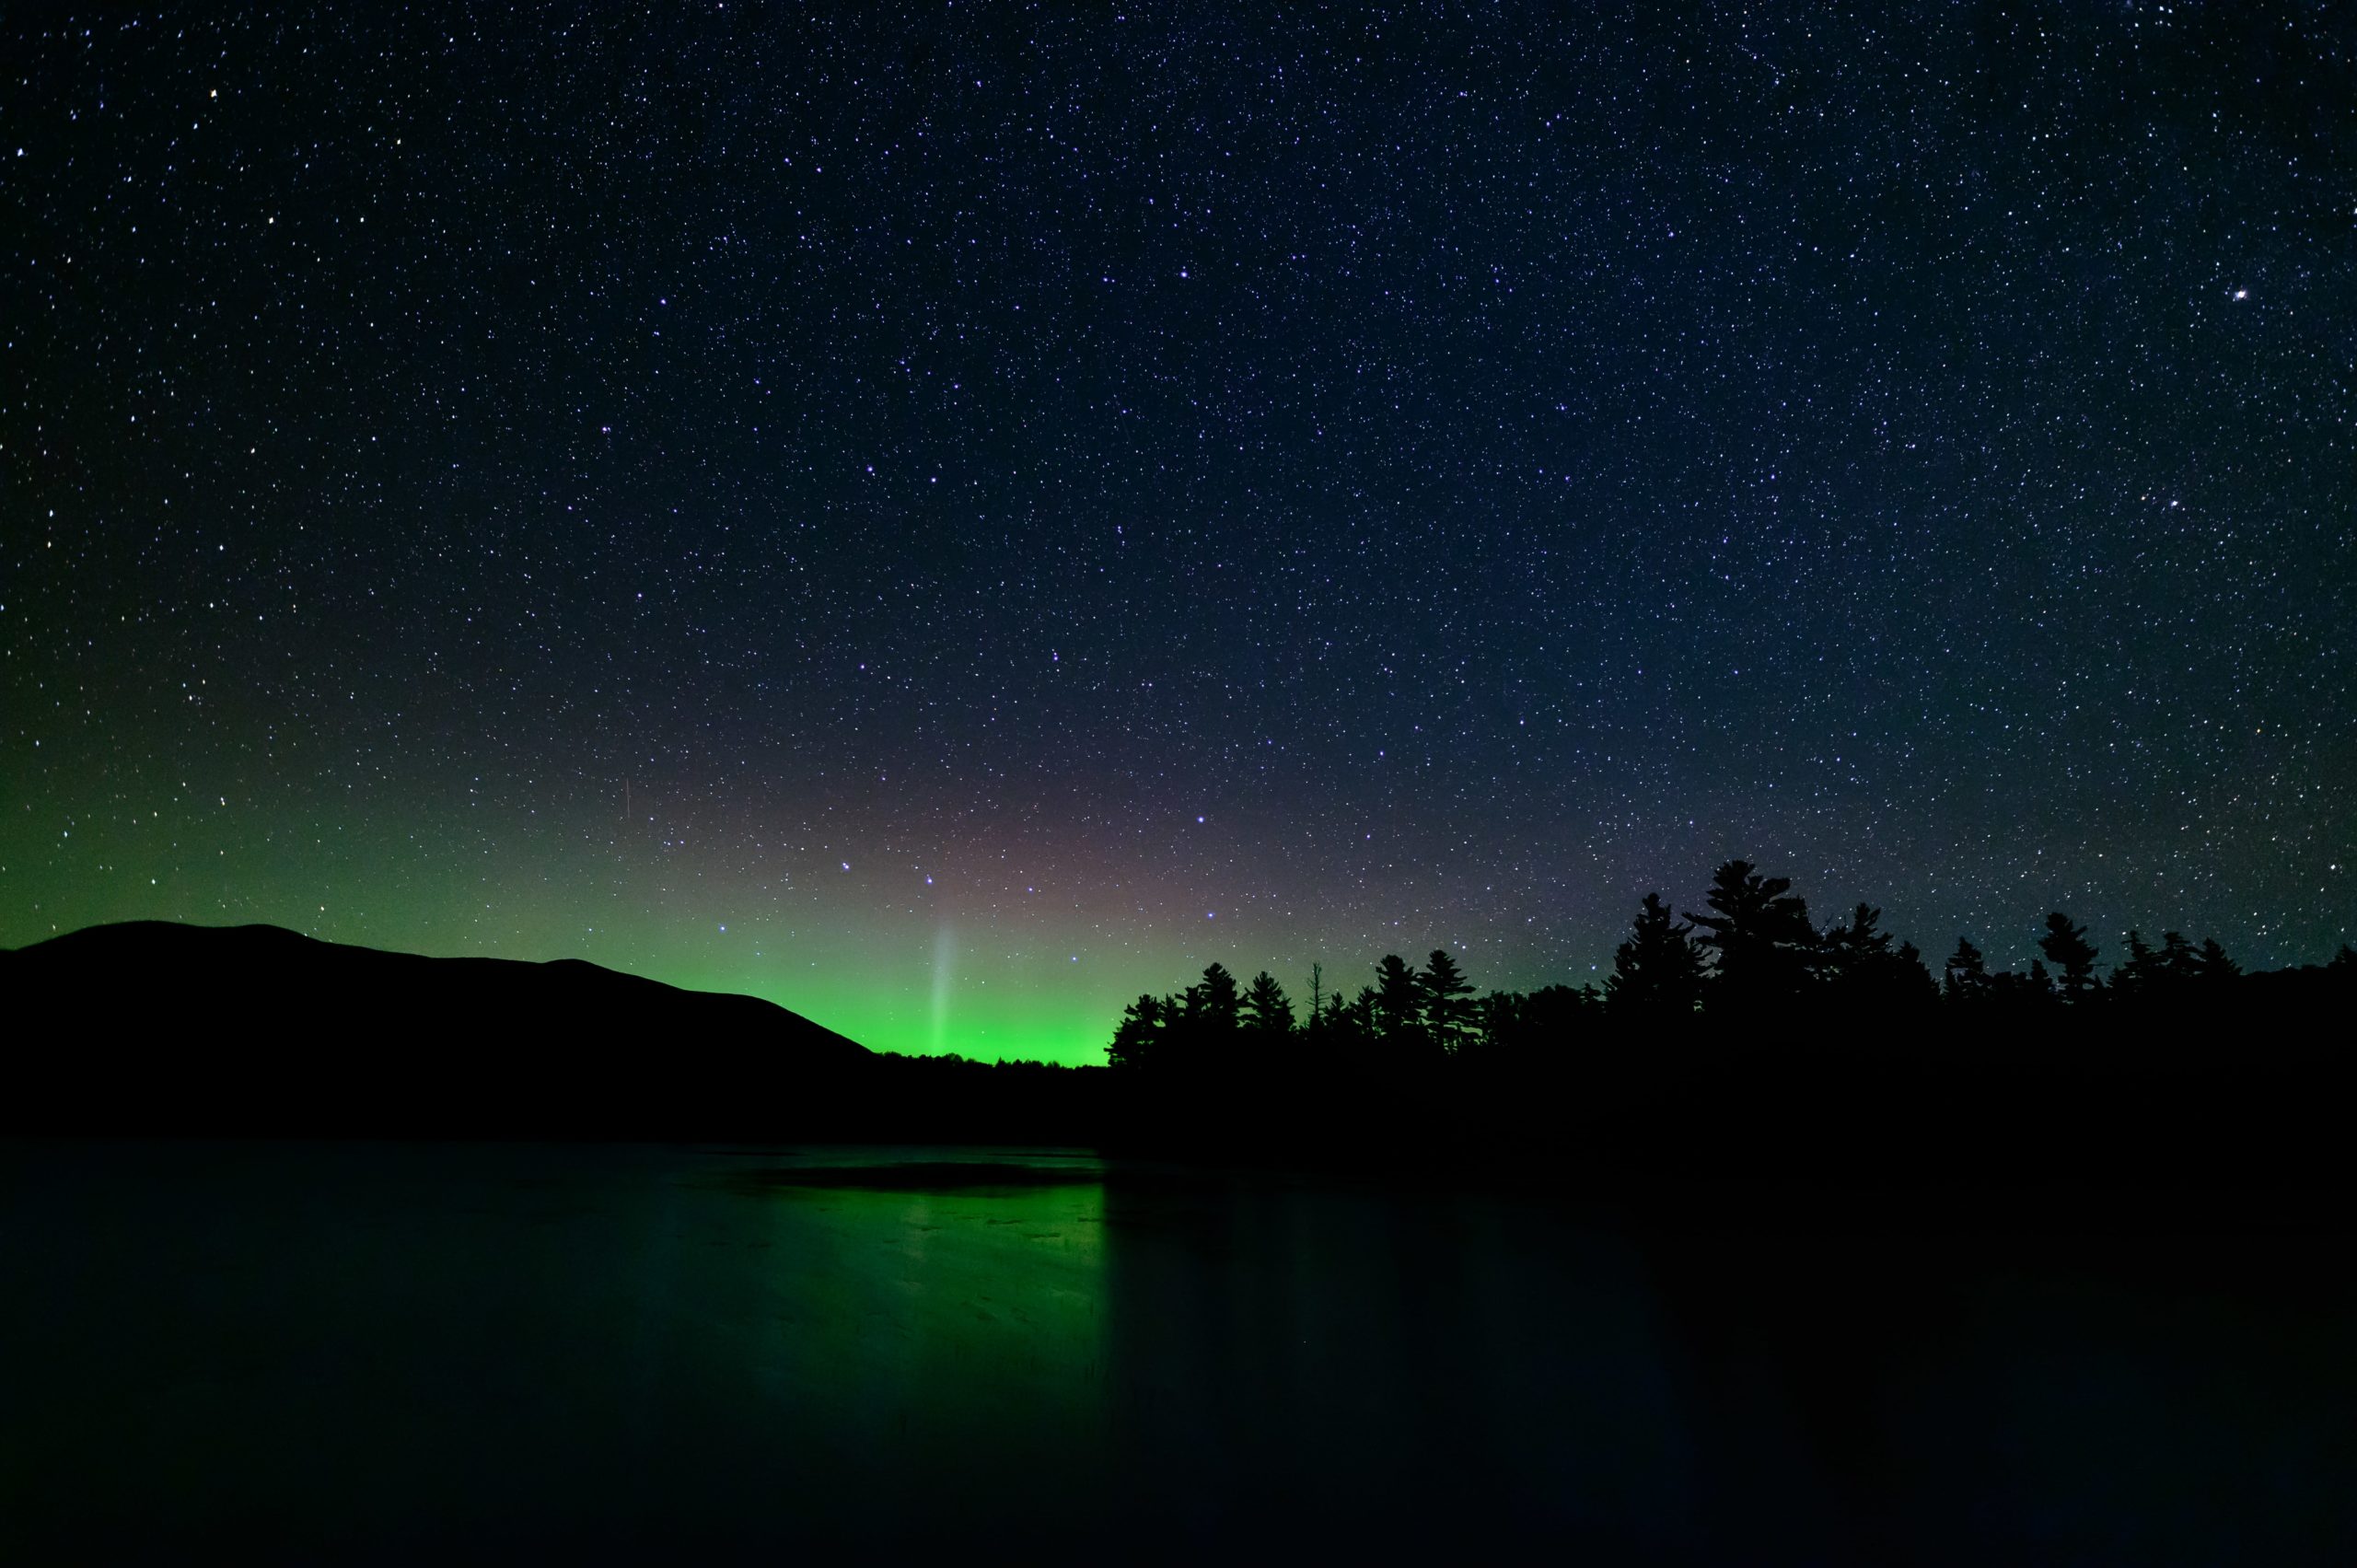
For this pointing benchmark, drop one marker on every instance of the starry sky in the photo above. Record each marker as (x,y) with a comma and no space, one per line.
(950,516)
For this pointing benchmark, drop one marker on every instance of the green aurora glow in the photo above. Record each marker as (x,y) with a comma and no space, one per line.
(1036,964)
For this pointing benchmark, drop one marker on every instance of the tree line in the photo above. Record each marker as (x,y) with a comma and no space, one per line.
(1756,960)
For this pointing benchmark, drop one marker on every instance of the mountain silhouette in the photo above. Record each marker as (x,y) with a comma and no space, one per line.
(150,1026)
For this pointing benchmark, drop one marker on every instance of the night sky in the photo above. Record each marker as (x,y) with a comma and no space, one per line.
(949,517)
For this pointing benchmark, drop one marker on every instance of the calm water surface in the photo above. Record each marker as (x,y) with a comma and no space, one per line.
(380,1352)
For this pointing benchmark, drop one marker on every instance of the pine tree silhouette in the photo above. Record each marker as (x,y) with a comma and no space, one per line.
(1964,982)
(2141,974)
(1267,1012)
(1764,950)
(1448,1006)
(1137,1040)
(1657,973)
(2067,946)
(1213,1003)
(1752,967)
(1399,1002)
(2212,967)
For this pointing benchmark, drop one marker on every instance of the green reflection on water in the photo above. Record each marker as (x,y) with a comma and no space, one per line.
(948,1317)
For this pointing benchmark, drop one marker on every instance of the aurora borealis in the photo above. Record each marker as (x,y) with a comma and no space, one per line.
(950,518)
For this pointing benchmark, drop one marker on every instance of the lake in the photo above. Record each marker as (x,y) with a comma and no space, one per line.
(390,1352)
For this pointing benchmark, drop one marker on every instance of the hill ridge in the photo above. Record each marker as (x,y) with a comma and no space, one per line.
(142,1026)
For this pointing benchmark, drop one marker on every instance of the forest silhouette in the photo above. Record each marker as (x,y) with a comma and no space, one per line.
(1744,1035)
(1752,963)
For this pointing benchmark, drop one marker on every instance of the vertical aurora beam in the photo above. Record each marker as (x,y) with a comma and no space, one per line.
(944,966)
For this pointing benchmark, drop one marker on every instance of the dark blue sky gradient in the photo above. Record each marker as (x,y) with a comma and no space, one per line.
(541,481)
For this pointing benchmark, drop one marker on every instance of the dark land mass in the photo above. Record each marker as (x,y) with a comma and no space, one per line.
(151,1028)
(2237,1099)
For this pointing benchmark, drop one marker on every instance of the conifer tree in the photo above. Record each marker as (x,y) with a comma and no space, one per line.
(1399,1000)
(1213,1003)
(1137,1040)
(2067,947)
(1657,973)
(1965,982)
(2141,974)
(1352,1022)
(2211,966)
(1267,1011)
(2178,960)
(1448,1006)
(1764,950)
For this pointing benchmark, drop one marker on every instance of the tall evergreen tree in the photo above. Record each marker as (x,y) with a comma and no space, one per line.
(2141,974)
(2178,960)
(1350,1023)
(1657,973)
(1448,1001)
(1854,947)
(1964,981)
(1399,1000)
(1763,948)
(1213,1002)
(1138,1038)
(2066,946)
(1267,1011)
(2210,966)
